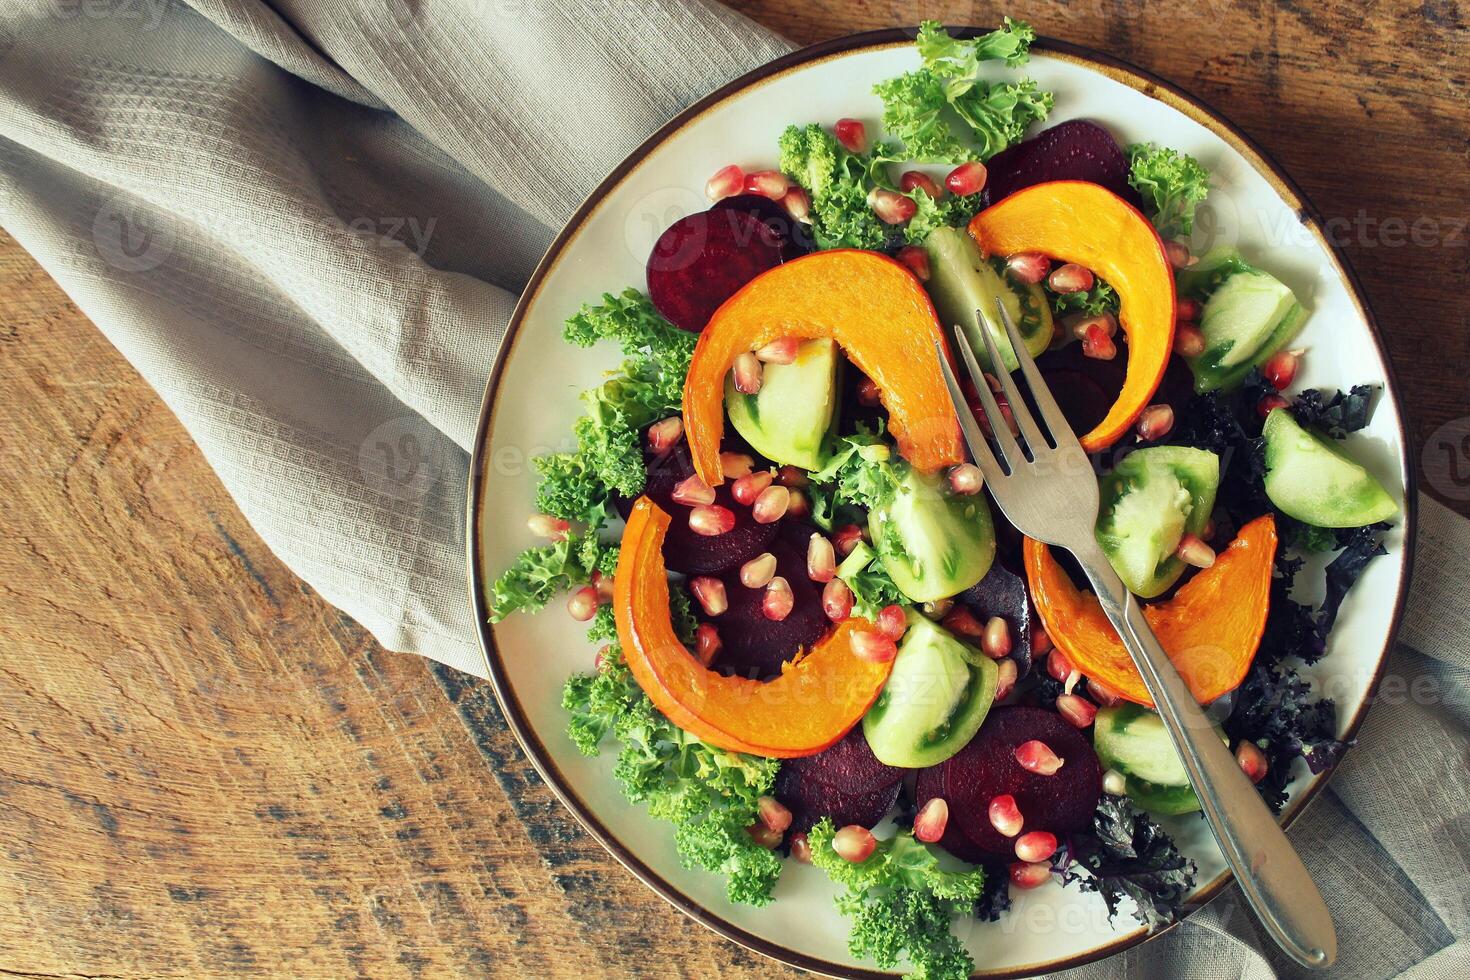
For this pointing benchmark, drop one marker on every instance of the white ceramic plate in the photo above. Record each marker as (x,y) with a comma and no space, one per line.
(531,402)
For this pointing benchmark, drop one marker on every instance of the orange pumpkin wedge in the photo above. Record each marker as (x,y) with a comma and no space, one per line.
(876,311)
(816,700)
(1076,221)
(1211,628)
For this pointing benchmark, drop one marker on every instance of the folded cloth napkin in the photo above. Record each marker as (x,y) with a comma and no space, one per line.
(305,223)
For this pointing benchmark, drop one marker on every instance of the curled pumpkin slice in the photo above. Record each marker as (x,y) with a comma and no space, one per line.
(812,705)
(1210,628)
(1081,222)
(876,311)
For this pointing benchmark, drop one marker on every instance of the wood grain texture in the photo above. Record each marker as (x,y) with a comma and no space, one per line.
(207,770)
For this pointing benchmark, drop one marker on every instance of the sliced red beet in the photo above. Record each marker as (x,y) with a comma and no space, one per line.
(1084,387)
(849,766)
(1062,803)
(796,237)
(684,550)
(752,645)
(1003,593)
(1076,150)
(703,259)
(809,800)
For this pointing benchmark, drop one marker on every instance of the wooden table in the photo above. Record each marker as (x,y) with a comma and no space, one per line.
(239,779)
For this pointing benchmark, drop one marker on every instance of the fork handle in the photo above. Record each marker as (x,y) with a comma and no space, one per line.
(1270,873)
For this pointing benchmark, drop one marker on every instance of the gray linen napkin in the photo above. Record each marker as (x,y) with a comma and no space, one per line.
(305,223)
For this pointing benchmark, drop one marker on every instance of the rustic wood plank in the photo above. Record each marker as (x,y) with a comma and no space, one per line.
(238,779)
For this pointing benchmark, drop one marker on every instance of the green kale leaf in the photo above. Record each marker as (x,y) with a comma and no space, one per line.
(1101,298)
(539,573)
(1172,184)
(864,469)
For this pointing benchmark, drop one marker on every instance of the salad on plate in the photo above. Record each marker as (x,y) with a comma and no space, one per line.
(813,641)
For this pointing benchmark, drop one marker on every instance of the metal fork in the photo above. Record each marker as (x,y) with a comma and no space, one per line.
(1048,490)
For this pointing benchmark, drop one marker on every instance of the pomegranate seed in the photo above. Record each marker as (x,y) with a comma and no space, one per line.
(852,134)
(1058,667)
(1005,678)
(711,594)
(1102,694)
(1078,711)
(1005,816)
(966,479)
(764,836)
(846,538)
(1193,551)
(776,604)
(1280,368)
(692,491)
(914,179)
(1028,267)
(917,261)
(1036,756)
(821,559)
(726,182)
(1070,278)
(892,622)
(1269,404)
(1178,255)
(1040,641)
(750,486)
(996,641)
(937,608)
(604,586)
(735,465)
(748,374)
(1038,845)
(1252,760)
(663,434)
(801,848)
(798,204)
(854,843)
(873,646)
(837,600)
(1114,783)
(546,526)
(1026,875)
(1098,345)
(930,821)
(1188,341)
(771,505)
(963,623)
(768,183)
(706,643)
(966,179)
(773,813)
(1078,324)
(782,350)
(582,604)
(797,506)
(1187,310)
(711,520)
(891,207)
(791,476)
(1155,422)
(758,572)
(868,393)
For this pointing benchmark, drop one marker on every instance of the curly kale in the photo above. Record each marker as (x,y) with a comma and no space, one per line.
(1274,708)
(1172,184)
(539,573)
(863,471)
(872,588)
(1101,298)
(710,795)
(944,113)
(1128,855)
(902,903)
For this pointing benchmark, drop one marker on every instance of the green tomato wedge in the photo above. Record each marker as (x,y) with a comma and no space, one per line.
(1133,741)
(790,418)
(1248,316)
(1313,480)
(962,282)
(933,543)
(1149,502)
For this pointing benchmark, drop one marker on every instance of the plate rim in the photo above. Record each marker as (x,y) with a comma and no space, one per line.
(1118,70)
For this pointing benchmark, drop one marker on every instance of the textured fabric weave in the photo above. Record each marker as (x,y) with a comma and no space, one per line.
(306,222)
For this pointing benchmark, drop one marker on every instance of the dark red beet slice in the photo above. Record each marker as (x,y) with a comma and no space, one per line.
(986,768)
(695,554)
(849,766)
(1076,150)
(752,645)
(703,259)
(1084,387)
(796,238)
(1003,593)
(809,800)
